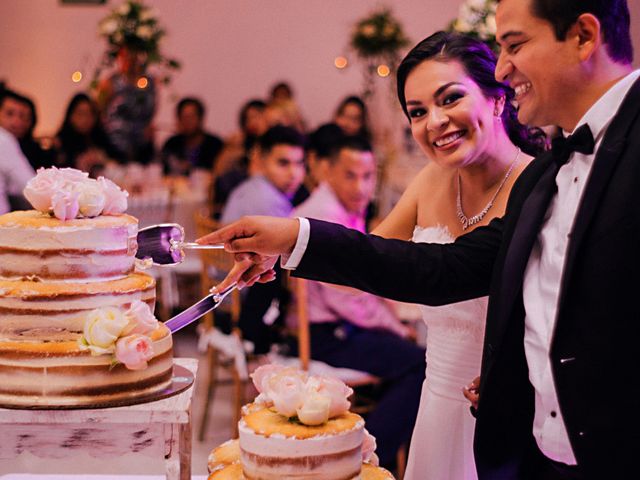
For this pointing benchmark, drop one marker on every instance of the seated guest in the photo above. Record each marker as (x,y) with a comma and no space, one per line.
(359,330)
(192,147)
(280,159)
(15,170)
(20,120)
(280,170)
(81,141)
(351,116)
(233,165)
(321,142)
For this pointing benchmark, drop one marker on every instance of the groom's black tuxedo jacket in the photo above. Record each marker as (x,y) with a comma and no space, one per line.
(595,347)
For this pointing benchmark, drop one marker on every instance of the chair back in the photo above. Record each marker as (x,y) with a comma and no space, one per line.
(299,288)
(215,265)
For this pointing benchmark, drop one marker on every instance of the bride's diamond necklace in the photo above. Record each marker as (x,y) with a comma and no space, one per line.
(467,222)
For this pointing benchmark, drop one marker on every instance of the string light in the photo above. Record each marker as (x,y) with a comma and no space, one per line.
(76,76)
(142,83)
(383,70)
(340,62)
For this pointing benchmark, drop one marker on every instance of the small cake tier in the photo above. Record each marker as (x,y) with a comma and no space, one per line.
(37,246)
(274,447)
(60,373)
(234,472)
(35,311)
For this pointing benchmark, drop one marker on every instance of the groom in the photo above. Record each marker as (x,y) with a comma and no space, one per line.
(559,396)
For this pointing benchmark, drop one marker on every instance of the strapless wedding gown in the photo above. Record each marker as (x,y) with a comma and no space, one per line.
(442,441)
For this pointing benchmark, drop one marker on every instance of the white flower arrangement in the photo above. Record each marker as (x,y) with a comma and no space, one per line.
(135,26)
(478,19)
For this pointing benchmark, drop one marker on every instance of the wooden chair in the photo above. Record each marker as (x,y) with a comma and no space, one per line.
(215,264)
(361,404)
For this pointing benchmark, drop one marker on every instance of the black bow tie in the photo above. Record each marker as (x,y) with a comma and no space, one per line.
(579,141)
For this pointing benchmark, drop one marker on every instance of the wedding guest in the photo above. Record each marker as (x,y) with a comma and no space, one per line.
(359,330)
(351,116)
(234,162)
(321,142)
(127,100)
(555,400)
(81,142)
(20,120)
(192,147)
(15,170)
(284,109)
(280,155)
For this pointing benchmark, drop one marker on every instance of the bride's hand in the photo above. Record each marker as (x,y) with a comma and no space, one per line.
(470,392)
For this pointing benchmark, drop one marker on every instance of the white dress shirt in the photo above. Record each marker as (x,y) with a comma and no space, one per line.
(543,275)
(15,170)
(544,271)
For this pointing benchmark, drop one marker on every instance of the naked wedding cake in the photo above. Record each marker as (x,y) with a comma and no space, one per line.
(299,427)
(76,321)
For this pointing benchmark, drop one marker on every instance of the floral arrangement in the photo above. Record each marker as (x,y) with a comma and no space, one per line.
(68,193)
(478,19)
(125,335)
(294,393)
(378,34)
(135,26)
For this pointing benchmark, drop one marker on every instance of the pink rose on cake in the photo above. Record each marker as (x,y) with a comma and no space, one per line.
(65,205)
(141,319)
(314,409)
(369,448)
(115,198)
(102,328)
(134,351)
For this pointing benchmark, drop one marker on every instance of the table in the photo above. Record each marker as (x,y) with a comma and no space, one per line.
(156,428)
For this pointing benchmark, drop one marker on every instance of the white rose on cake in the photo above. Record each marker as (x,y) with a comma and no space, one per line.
(68,193)
(102,328)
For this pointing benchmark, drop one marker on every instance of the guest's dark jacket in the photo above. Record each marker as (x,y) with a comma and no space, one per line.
(594,350)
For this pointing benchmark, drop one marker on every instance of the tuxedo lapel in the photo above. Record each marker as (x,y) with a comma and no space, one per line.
(607,157)
(524,235)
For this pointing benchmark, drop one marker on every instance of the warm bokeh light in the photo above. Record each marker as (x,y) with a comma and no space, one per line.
(340,62)
(76,76)
(383,70)
(142,82)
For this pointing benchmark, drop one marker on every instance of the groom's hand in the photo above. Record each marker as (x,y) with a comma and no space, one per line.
(265,236)
(257,243)
(471,392)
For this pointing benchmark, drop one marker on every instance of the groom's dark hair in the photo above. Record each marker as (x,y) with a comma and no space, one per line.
(613,16)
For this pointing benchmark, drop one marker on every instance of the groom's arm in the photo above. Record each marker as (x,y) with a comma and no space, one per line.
(431,274)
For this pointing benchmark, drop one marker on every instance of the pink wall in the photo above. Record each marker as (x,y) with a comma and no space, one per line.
(231,50)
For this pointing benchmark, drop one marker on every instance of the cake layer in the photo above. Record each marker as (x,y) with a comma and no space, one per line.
(36,310)
(234,472)
(37,246)
(274,447)
(59,373)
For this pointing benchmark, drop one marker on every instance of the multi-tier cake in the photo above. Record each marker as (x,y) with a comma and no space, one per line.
(299,427)
(76,321)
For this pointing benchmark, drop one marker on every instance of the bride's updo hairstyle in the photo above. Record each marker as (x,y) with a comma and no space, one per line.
(479,63)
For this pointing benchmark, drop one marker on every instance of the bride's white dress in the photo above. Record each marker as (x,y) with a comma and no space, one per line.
(442,441)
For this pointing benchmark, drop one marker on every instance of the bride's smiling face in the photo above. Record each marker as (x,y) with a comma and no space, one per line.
(454,124)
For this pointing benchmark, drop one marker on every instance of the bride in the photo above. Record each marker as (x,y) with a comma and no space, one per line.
(465,123)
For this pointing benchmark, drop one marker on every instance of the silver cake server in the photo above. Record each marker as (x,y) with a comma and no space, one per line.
(164,244)
(198,309)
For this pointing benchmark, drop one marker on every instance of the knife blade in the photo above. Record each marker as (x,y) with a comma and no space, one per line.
(197,310)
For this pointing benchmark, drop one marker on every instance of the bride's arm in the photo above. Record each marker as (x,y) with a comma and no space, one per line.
(404,216)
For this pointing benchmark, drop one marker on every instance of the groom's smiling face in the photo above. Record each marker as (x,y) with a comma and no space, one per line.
(540,68)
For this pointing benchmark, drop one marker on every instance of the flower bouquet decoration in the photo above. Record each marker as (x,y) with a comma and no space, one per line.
(135,26)
(477,18)
(377,39)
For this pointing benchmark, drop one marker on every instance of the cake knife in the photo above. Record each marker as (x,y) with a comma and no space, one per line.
(198,309)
